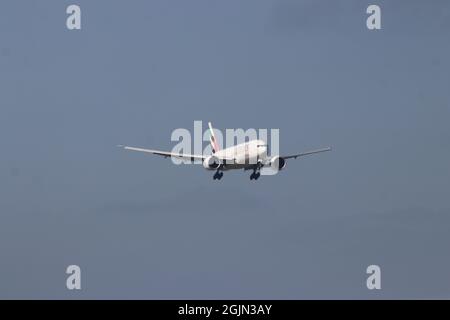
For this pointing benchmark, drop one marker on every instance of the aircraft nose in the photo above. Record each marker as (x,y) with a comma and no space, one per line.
(262,148)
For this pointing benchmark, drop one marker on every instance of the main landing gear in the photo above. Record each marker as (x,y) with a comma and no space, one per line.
(218,175)
(256,171)
(255,175)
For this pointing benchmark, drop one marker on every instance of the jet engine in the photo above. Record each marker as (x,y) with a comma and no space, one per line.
(211,163)
(277,163)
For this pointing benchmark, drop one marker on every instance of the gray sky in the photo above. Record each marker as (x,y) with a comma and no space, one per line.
(140,227)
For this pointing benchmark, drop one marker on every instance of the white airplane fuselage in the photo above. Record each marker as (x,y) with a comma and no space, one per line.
(243,155)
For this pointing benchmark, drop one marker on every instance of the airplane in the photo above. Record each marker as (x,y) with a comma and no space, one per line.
(251,155)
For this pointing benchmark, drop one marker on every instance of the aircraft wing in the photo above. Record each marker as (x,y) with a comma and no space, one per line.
(295,156)
(166,154)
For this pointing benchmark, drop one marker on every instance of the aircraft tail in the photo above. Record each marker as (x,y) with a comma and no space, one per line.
(212,139)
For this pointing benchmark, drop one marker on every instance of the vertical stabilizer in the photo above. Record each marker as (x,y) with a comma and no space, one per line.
(212,139)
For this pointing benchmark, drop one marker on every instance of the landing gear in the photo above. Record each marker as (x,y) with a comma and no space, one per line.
(256,171)
(255,175)
(218,175)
